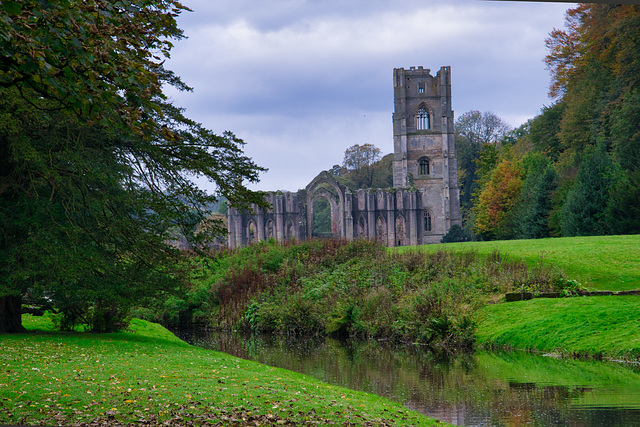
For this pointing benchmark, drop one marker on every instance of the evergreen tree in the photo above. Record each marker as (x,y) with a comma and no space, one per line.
(584,212)
(623,210)
(537,190)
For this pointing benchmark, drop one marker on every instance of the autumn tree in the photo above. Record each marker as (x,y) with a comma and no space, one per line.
(497,199)
(95,164)
(474,131)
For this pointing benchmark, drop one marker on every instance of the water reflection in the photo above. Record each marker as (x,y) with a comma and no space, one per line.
(497,389)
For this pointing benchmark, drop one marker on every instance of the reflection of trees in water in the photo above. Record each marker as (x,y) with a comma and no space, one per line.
(486,388)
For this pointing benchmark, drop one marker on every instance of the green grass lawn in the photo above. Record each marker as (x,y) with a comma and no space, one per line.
(606,325)
(147,375)
(598,262)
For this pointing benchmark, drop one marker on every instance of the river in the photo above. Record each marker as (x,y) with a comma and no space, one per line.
(480,389)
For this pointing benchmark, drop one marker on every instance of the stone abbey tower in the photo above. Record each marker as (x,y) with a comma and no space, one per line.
(425,200)
(423,144)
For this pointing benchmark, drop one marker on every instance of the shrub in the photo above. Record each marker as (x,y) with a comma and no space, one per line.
(457,234)
(357,289)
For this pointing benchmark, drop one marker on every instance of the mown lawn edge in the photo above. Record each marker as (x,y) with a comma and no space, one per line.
(602,326)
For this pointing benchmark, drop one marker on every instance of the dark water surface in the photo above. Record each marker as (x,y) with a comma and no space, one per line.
(483,389)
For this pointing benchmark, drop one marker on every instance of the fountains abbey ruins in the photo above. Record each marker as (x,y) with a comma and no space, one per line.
(421,207)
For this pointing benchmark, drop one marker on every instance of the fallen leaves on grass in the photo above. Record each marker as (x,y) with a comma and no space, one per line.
(237,418)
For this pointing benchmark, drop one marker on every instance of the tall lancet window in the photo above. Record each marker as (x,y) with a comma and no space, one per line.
(422,119)
(427,221)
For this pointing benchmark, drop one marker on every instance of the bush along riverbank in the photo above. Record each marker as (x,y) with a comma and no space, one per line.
(146,376)
(356,289)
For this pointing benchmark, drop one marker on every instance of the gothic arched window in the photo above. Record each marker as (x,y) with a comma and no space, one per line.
(288,230)
(251,232)
(427,221)
(362,227)
(422,119)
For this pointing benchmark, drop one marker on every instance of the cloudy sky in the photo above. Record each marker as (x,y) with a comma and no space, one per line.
(302,80)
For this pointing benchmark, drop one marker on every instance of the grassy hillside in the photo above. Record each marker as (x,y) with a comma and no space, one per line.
(598,262)
(149,377)
(606,326)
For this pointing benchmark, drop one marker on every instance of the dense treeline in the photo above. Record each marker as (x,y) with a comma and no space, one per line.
(574,169)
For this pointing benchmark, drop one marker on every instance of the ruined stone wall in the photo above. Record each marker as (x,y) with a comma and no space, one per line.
(395,218)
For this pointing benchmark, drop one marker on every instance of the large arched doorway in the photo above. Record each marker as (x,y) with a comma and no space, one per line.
(325,207)
(322,218)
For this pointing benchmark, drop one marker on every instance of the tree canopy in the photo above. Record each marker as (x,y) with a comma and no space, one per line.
(579,159)
(96,167)
(364,167)
(475,131)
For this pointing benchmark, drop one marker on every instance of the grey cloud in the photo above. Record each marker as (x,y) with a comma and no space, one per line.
(296,78)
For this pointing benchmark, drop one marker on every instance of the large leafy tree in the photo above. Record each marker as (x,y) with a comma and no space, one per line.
(96,166)
(359,160)
(497,199)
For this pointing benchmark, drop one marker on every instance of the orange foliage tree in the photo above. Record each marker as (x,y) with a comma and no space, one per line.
(497,199)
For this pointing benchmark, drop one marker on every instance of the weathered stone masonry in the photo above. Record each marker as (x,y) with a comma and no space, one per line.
(422,207)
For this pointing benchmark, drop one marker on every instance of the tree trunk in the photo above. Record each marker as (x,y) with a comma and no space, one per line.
(11,314)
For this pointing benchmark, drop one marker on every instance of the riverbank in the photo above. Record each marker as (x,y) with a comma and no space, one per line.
(147,376)
(594,326)
(599,263)
(601,327)
(353,289)
(444,296)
